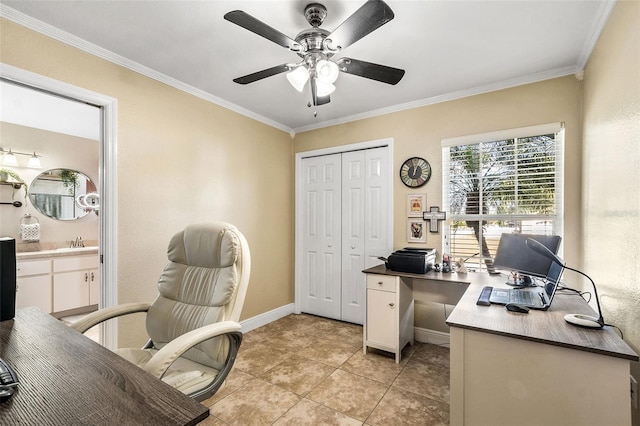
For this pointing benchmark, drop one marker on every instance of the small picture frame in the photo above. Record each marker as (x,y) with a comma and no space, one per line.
(416,204)
(416,231)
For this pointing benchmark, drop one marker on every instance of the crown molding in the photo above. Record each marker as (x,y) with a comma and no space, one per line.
(499,85)
(77,42)
(604,11)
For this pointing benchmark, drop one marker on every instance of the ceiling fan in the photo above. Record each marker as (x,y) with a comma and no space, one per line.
(316,46)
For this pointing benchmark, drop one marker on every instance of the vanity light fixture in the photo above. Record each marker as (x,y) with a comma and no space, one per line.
(9,158)
(34,162)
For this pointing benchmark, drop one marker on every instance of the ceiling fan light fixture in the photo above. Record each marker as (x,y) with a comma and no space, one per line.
(298,78)
(327,71)
(324,89)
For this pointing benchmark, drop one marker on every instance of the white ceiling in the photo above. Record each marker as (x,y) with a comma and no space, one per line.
(33,108)
(449,49)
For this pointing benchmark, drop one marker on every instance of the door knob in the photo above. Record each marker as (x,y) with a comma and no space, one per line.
(353,247)
(391,305)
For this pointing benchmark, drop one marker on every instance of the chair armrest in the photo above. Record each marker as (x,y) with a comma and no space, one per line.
(160,362)
(102,315)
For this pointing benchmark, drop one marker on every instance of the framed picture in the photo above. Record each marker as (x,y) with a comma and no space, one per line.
(416,204)
(416,231)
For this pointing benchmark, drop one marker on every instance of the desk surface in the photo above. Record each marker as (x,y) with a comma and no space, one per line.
(547,327)
(68,379)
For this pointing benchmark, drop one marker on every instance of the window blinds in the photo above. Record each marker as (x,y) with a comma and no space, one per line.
(507,181)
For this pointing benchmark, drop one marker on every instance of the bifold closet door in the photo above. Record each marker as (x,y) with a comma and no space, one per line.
(322,263)
(365,219)
(346,226)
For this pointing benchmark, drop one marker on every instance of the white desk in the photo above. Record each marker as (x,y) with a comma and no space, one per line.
(533,369)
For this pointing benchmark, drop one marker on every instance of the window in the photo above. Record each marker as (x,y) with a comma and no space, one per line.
(508,181)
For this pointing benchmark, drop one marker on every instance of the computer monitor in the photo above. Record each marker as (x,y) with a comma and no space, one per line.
(514,254)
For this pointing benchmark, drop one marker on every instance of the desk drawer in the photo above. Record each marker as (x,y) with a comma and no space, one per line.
(33,267)
(382,282)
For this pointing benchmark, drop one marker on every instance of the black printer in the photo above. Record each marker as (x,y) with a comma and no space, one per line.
(411,259)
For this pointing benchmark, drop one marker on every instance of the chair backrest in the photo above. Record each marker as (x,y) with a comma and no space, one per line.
(204,282)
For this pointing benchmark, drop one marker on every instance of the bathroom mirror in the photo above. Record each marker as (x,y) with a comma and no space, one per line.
(63,194)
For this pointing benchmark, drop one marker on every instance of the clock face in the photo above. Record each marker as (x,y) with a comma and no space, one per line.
(415,172)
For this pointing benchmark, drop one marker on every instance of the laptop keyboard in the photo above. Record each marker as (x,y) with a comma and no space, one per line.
(523,297)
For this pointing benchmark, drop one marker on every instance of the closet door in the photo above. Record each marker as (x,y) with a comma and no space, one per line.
(321,227)
(378,206)
(353,241)
(365,224)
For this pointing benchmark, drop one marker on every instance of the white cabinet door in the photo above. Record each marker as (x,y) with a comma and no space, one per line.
(34,291)
(321,264)
(70,290)
(381,322)
(94,287)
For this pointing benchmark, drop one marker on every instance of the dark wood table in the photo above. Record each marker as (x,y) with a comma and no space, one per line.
(68,379)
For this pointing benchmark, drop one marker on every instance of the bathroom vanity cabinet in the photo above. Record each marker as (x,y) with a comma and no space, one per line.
(60,282)
(75,282)
(33,284)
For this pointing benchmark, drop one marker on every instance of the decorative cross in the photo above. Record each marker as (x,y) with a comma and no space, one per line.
(434,216)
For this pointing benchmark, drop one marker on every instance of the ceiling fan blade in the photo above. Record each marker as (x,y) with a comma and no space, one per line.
(256,26)
(250,78)
(371,16)
(370,70)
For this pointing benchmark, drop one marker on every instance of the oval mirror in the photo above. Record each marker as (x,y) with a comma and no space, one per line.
(54,193)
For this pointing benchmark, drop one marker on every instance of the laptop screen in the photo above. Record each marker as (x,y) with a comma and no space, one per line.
(553,280)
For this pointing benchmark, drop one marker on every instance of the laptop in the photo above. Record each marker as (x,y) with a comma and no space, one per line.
(534,298)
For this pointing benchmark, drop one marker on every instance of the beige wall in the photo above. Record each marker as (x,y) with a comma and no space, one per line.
(180,160)
(612,172)
(418,132)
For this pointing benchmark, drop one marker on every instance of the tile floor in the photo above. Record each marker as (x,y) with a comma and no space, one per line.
(307,370)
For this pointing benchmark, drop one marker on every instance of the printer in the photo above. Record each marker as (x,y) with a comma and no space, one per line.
(412,260)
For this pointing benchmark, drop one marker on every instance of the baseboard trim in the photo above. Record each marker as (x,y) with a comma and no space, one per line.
(424,335)
(267,317)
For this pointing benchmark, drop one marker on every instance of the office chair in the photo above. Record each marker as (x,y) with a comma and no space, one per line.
(193,328)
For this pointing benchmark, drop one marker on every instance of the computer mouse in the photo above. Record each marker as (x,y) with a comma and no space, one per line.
(512,307)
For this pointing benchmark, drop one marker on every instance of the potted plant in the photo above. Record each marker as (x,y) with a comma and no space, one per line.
(16,183)
(69,180)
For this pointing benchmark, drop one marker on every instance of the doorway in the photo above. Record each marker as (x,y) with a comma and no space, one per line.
(107,177)
(343,224)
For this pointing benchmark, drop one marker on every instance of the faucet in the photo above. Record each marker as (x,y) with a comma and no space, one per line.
(77,243)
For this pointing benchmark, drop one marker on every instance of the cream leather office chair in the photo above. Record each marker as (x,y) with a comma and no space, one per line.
(193,328)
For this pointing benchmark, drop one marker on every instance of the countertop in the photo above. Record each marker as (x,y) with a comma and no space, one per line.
(59,252)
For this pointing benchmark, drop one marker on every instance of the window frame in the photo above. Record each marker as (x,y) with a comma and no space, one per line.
(518,133)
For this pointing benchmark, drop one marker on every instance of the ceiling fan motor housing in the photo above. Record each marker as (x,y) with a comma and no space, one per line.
(315,14)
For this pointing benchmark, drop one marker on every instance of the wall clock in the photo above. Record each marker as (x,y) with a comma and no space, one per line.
(415,172)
